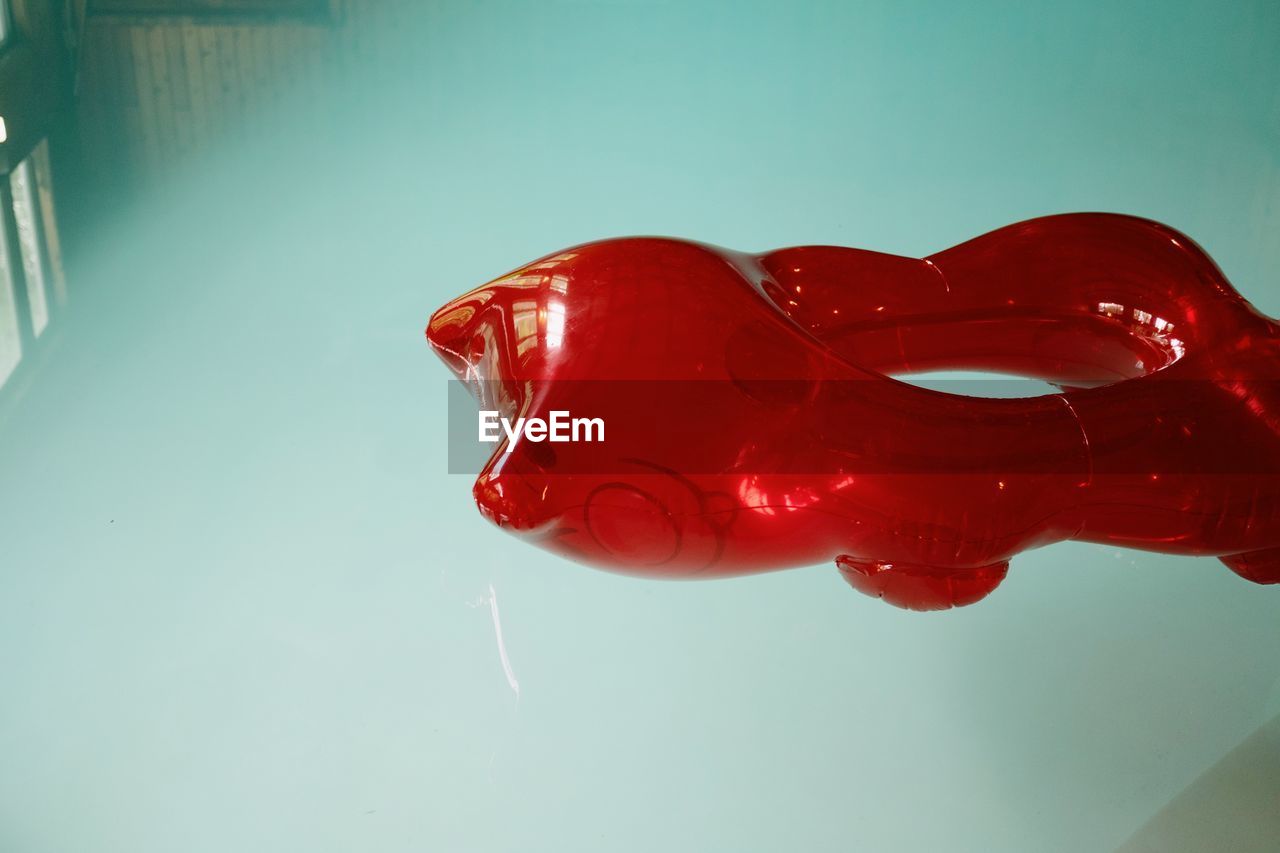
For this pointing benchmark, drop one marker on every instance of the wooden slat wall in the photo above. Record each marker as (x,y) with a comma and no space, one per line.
(155,94)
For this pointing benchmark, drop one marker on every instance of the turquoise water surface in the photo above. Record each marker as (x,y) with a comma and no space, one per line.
(243,607)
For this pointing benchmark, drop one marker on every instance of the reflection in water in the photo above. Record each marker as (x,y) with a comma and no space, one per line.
(49,219)
(22,181)
(502,646)
(10,337)
(33,268)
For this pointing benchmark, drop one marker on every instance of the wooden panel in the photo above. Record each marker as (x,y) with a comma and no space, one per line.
(156,94)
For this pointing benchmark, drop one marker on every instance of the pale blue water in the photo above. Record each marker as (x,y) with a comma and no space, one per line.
(242,606)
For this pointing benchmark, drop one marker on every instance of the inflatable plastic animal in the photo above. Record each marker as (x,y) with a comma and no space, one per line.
(750,418)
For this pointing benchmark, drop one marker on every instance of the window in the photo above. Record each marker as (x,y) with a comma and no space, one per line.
(31,277)
(10,335)
(22,181)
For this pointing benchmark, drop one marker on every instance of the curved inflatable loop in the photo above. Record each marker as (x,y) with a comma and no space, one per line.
(753,420)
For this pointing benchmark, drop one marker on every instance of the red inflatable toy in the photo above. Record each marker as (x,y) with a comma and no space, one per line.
(738,412)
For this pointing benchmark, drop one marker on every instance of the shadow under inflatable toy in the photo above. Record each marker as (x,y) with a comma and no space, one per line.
(750,418)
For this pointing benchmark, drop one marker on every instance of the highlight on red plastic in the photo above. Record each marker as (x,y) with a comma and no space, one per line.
(753,420)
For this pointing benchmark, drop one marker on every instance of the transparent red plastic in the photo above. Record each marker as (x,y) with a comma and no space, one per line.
(754,421)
